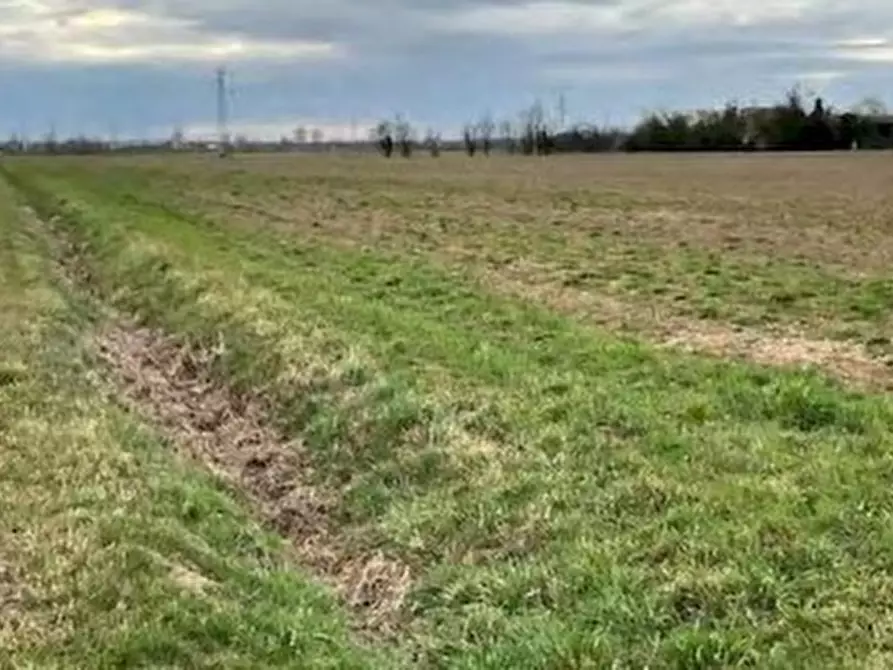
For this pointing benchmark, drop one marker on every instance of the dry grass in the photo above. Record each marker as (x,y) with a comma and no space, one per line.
(782,259)
(170,384)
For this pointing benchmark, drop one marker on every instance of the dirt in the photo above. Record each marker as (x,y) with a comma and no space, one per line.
(170,384)
(843,360)
(833,214)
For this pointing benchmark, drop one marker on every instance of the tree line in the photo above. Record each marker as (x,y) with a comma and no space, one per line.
(792,124)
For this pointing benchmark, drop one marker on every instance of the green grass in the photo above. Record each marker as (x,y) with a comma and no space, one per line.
(566,498)
(113,553)
(755,269)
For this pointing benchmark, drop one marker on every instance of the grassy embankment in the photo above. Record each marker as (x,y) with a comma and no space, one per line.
(113,551)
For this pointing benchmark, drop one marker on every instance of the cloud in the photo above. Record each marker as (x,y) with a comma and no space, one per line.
(562,17)
(604,72)
(865,50)
(536,18)
(51,32)
(812,79)
(148,63)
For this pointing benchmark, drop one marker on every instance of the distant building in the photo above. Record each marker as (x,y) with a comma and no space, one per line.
(883,125)
(756,118)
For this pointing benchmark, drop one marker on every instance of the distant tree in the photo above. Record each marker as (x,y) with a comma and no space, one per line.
(544,142)
(787,127)
(819,134)
(385,134)
(317,135)
(301,134)
(432,142)
(403,132)
(50,141)
(177,138)
(469,138)
(538,116)
(537,137)
(507,132)
(535,133)
(486,128)
(723,129)
(528,137)
(14,144)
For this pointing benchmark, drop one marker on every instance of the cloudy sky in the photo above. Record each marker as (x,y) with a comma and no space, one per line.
(140,67)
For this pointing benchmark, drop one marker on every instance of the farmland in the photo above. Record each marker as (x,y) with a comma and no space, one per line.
(508,413)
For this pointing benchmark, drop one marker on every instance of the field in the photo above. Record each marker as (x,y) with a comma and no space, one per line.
(335,412)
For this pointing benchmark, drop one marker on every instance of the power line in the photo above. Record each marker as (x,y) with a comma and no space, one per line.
(222,110)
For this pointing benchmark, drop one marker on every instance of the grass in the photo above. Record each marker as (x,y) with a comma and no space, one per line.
(730,250)
(114,552)
(566,496)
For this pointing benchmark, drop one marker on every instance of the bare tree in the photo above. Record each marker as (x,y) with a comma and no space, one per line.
(470,139)
(432,141)
(51,141)
(177,138)
(384,133)
(486,127)
(506,131)
(14,144)
(317,135)
(528,133)
(403,131)
(536,137)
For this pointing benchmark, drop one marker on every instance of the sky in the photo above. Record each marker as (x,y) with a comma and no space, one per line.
(140,68)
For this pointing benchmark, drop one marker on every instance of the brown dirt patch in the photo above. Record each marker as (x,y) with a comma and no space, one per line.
(829,211)
(846,361)
(169,383)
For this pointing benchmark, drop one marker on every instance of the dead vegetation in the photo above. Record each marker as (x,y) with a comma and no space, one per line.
(849,362)
(168,382)
(844,360)
(13,597)
(548,284)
